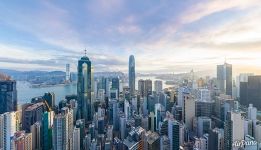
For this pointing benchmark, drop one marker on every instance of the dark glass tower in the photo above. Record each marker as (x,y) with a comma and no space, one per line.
(84,89)
(132,74)
(115,84)
(224,78)
(8,96)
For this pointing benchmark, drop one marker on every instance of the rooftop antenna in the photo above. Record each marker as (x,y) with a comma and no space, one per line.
(85,51)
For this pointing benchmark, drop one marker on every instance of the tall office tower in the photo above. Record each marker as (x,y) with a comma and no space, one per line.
(152,140)
(21,141)
(127,110)
(46,130)
(224,78)
(32,114)
(203,95)
(152,122)
(200,143)
(243,77)
(202,125)
(173,134)
(148,87)
(50,99)
(132,75)
(84,88)
(141,87)
(8,95)
(204,108)
(257,134)
(8,127)
(69,114)
(101,95)
(80,124)
(36,136)
(114,94)
(158,111)
(182,91)
(216,139)
(189,110)
(76,139)
(233,130)
(164,143)
(67,78)
(60,132)
(250,92)
(158,86)
(115,84)
(252,112)
(122,127)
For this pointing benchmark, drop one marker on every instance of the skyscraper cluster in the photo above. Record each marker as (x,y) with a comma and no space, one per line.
(198,113)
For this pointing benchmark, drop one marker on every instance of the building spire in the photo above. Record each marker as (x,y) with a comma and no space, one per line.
(85,51)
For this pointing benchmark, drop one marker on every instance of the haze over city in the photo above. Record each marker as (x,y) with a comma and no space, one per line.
(165,36)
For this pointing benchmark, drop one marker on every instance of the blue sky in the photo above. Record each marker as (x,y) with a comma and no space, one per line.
(164,35)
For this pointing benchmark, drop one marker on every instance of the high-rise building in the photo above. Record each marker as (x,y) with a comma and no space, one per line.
(8,96)
(216,139)
(8,126)
(69,114)
(233,130)
(36,136)
(158,86)
(145,87)
(252,112)
(33,114)
(173,134)
(224,78)
(148,87)
(132,74)
(243,77)
(60,132)
(50,99)
(46,130)
(250,92)
(76,139)
(84,88)
(189,110)
(21,141)
(115,84)
(164,143)
(67,78)
(202,125)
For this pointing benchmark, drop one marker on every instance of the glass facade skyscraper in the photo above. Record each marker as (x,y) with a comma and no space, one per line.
(84,89)
(224,78)
(132,74)
(8,96)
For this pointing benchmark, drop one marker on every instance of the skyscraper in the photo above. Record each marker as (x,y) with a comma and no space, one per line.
(67,78)
(8,96)
(47,123)
(21,141)
(115,84)
(233,130)
(60,132)
(132,74)
(84,89)
(158,86)
(8,127)
(224,78)
(250,92)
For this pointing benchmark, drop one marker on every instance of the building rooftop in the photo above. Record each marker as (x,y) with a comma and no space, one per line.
(34,106)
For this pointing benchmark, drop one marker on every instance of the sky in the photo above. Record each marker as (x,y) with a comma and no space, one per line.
(165,36)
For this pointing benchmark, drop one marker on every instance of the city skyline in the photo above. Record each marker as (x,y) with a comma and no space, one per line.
(47,35)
